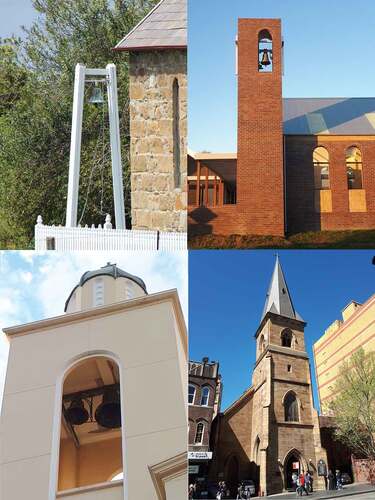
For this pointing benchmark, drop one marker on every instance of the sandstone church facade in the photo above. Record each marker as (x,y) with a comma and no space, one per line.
(273,428)
(303,164)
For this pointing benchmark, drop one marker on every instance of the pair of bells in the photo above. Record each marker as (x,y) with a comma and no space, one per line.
(107,414)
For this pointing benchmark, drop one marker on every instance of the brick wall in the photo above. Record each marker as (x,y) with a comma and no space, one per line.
(301,213)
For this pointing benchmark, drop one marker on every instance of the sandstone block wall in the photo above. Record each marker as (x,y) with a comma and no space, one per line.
(156,201)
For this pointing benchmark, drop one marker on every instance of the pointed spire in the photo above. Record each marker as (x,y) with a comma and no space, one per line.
(278,299)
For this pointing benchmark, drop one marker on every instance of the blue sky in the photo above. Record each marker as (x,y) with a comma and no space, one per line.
(35,286)
(227,291)
(329,47)
(13,15)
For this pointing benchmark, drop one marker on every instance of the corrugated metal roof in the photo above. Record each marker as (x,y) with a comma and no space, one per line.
(165,26)
(337,116)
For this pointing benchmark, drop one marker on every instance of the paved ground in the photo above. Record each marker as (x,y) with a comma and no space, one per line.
(353,491)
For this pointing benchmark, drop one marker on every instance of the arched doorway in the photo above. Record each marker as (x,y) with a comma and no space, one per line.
(231,474)
(293,463)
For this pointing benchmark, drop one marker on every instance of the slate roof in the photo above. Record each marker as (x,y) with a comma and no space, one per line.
(337,116)
(165,26)
(278,299)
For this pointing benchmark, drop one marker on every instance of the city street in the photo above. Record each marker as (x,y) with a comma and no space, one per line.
(355,491)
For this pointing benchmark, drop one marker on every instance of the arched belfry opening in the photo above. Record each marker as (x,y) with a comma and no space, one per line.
(91,424)
(265,52)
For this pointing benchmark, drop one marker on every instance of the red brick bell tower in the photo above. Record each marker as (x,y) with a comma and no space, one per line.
(260,171)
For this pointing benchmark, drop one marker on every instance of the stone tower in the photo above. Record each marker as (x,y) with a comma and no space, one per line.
(157,49)
(260,175)
(79,390)
(285,432)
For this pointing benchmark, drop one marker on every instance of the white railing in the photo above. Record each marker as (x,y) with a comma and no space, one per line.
(65,239)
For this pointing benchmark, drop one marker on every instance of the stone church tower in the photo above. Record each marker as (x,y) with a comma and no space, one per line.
(273,428)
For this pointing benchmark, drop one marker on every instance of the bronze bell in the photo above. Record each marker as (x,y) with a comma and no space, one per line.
(108,413)
(77,414)
(265,61)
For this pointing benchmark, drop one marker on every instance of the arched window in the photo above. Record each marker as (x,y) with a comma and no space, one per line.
(199,433)
(286,338)
(262,344)
(205,396)
(321,168)
(191,394)
(176,134)
(291,407)
(265,54)
(354,167)
(91,434)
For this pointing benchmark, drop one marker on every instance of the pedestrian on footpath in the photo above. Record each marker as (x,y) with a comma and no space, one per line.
(294,481)
(301,485)
(308,482)
(338,480)
(331,480)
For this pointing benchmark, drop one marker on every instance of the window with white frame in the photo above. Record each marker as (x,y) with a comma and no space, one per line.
(191,397)
(205,396)
(199,433)
(98,292)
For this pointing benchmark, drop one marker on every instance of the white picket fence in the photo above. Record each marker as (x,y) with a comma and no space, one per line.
(65,239)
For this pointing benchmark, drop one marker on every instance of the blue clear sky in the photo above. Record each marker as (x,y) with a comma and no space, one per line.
(329,48)
(13,15)
(227,291)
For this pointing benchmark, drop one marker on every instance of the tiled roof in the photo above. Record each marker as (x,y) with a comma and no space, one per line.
(165,26)
(336,116)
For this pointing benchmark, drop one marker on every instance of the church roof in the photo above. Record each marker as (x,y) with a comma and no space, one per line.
(278,299)
(107,270)
(164,27)
(336,116)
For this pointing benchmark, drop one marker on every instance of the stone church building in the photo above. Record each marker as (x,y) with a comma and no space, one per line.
(301,164)
(273,428)
(157,49)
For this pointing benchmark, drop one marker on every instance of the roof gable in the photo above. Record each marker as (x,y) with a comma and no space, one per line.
(165,26)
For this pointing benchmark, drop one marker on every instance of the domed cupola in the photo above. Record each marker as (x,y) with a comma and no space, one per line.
(104,286)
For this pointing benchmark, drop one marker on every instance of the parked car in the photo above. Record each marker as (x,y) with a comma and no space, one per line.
(345,478)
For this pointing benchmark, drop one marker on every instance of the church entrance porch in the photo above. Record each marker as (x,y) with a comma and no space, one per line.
(293,463)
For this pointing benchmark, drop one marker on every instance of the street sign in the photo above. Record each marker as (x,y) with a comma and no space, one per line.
(200,455)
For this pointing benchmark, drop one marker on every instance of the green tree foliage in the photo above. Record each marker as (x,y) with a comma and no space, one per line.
(354,406)
(36,91)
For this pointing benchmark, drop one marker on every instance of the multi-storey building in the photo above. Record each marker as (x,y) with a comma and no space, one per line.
(301,165)
(341,340)
(204,398)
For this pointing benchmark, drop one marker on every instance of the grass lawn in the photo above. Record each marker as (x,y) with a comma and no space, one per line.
(319,239)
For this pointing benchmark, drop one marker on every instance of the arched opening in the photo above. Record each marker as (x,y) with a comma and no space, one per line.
(232,474)
(354,167)
(321,168)
(293,464)
(205,396)
(199,433)
(286,338)
(191,394)
(262,344)
(265,53)
(291,407)
(176,134)
(91,425)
